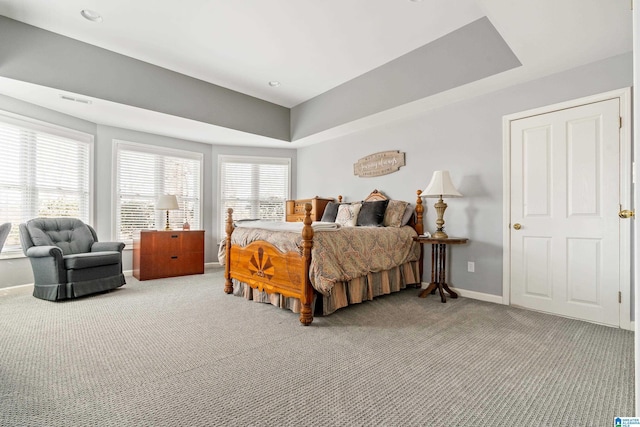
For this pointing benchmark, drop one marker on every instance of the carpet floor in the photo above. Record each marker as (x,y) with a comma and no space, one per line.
(180,352)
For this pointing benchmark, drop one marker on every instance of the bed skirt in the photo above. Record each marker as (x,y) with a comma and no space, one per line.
(355,291)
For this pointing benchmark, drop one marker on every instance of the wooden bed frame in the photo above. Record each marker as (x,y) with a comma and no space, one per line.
(265,268)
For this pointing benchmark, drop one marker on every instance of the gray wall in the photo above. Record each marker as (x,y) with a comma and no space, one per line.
(466,139)
(38,56)
(17,271)
(467,54)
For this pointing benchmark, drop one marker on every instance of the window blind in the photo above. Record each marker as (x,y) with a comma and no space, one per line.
(143,174)
(253,187)
(46,172)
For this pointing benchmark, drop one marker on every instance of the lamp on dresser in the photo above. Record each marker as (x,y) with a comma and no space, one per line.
(440,186)
(168,202)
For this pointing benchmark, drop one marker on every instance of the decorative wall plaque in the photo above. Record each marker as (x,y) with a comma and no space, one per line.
(378,164)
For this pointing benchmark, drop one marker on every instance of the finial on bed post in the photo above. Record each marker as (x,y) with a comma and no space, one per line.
(306,316)
(340,199)
(228,283)
(419,213)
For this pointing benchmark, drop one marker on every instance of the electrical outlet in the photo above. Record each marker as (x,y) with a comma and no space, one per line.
(471,267)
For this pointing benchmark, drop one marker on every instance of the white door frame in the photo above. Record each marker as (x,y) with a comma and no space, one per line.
(624,95)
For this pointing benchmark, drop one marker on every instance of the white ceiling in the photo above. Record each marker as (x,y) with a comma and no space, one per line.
(309,46)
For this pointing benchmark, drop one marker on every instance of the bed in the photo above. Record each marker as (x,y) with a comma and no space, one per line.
(295,268)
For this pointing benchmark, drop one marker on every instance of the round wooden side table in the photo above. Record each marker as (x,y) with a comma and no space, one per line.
(439,265)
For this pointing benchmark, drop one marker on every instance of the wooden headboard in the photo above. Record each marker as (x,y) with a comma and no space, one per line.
(375,196)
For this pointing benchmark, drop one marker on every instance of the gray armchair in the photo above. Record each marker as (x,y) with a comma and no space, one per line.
(4,233)
(67,259)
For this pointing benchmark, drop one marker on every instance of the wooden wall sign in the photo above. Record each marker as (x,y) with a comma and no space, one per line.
(378,164)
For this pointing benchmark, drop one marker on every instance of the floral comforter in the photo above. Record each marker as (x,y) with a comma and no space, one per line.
(344,254)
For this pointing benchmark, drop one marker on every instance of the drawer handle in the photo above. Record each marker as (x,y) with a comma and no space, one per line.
(174,236)
(174,257)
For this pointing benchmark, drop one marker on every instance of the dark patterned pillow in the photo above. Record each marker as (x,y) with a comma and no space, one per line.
(330,212)
(372,213)
(394,213)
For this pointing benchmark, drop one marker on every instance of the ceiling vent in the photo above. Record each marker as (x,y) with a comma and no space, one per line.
(71,98)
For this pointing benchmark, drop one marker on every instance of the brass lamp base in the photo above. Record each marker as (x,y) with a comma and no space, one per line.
(440,235)
(167,227)
(440,206)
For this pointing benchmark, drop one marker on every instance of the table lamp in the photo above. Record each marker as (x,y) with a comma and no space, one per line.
(167,202)
(440,186)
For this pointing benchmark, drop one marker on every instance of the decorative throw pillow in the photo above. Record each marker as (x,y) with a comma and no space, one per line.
(394,213)
(408,214)
(348,214)
(330,212)
(372,213)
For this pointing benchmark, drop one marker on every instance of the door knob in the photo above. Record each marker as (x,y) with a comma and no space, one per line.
(517,226)
(626,213)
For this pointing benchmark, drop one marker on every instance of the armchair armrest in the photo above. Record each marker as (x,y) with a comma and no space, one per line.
(44,251)
(48,265)
(107,246)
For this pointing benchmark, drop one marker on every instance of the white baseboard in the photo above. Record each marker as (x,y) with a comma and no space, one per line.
(496,299)
(16,287)
(631,326)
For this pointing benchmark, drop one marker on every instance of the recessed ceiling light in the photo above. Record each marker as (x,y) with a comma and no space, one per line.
(91,15)
(274,83)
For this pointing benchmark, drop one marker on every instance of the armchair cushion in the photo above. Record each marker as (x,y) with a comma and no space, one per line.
(91,259)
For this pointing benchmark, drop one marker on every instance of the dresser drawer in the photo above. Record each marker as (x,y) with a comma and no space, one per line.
(295,209)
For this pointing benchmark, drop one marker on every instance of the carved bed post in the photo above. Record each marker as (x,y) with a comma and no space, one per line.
(306,316)
(420,230)
(419,213)
(228,283)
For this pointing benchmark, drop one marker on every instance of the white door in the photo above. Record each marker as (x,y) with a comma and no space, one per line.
(565,240)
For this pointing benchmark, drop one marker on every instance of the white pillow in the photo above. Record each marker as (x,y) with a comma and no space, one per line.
(348,214)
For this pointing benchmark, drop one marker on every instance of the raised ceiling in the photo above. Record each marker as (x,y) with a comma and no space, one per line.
(310,47)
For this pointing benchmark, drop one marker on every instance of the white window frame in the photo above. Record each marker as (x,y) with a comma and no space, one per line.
(225,158)
(39,126)
(156,150)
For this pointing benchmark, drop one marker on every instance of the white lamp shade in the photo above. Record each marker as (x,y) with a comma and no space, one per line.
(167,202)
(441,186)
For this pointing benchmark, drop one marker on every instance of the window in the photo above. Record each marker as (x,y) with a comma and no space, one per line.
(254,187)
(146,172)
(46,172)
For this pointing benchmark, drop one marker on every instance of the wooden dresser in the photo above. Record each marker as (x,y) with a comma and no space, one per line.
(159,254)
(295,208)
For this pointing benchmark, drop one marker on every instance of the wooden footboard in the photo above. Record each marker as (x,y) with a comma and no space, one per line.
(262,266)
